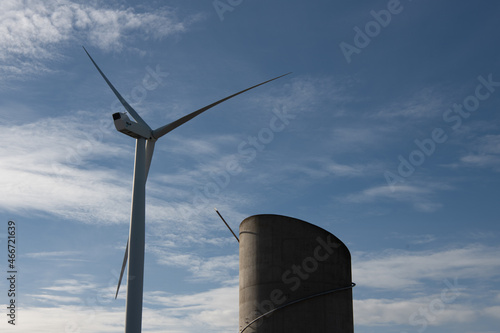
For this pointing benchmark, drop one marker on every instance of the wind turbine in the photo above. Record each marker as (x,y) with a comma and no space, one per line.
(145,143)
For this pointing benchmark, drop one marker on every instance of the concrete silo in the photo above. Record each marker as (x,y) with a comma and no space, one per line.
(299,271)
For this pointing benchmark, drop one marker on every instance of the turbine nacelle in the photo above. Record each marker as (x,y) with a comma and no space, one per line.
(129,127)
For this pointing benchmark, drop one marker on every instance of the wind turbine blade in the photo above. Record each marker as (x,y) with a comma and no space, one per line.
(150,147)
(125,258)
(125,104)
(158,133)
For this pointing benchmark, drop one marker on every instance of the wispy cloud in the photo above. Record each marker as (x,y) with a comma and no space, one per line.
(395,269)
(50,167)
(70,318)
(222,269)
(54,299)
(423,104)
(216,308)
(375,312)
(350,170)
(485,153)
(419,195)
(58,167)
(72,286)
(45,169)
(426,288)
(55,255)
(311,171)
(493,311)
(32,29)
(414,239)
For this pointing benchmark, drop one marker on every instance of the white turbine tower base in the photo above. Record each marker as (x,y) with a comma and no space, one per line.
(145,142)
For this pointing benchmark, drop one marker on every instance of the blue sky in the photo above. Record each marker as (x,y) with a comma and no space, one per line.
(387,134)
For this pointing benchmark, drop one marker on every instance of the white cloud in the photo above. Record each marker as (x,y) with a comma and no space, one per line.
(45,168)
(435,312)
(69,319)
(325,167)
(55,167)
(30,30)
(54,255)
(415,239)
(480,160)
(347,170)
(304,94)
(54,299)
(223,269)
(423,104)
(216,309)
(419,195)
(485,153)
(493,311)
(72,286)
(436,285)
(404,269)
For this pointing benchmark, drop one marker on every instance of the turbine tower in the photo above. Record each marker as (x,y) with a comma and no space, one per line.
(145,143)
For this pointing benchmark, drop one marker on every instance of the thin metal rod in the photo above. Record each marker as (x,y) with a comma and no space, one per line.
(227,225)
(135,274)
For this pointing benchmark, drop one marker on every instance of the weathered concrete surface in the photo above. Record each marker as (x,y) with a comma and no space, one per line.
(282,260)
